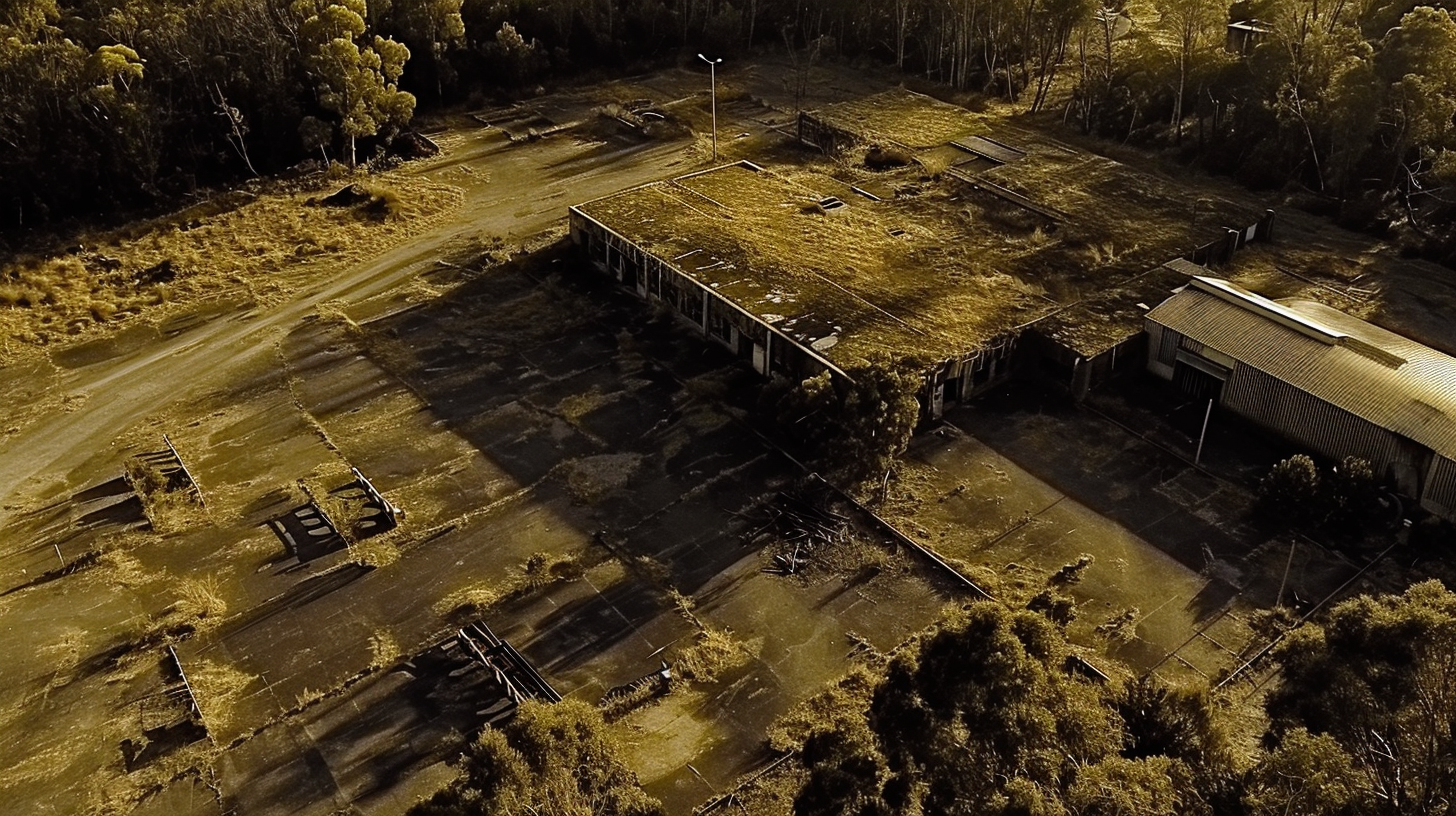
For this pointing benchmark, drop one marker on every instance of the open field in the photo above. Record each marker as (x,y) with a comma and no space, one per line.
(575,472)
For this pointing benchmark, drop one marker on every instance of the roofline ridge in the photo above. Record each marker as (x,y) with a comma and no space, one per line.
(1231,292)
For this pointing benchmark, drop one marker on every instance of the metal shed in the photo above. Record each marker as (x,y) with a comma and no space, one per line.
(1334,383)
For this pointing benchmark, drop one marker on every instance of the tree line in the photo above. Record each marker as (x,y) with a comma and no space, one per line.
(988,716)
(992,713)
(112,103)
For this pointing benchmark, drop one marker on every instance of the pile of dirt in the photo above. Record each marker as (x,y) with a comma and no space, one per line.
(349,196)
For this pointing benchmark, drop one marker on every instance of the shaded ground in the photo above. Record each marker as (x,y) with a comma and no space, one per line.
(1046,482)
(82,646)
(509,417)
(581,376)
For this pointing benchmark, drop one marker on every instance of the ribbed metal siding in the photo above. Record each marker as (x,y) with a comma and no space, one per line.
(1440,494)
(1162,348)
(1416,400)
(1309,420)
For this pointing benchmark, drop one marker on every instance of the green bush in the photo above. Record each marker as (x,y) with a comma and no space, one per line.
(557,759)
(1345,500)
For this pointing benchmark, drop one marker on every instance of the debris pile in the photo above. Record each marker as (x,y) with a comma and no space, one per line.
(801,527)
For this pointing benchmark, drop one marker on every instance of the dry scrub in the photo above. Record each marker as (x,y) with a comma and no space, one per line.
(218,687)
(714,652)
(843,702)
(476,600)
(259,243)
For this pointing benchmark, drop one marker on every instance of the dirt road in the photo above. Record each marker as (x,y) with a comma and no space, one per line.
(525,191)
(253,392)
(514,190)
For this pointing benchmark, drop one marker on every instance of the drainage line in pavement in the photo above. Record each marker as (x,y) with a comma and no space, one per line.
(894,532)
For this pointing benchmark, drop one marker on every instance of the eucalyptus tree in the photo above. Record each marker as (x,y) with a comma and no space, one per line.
(356,74)
(1418,61)
(1376,686)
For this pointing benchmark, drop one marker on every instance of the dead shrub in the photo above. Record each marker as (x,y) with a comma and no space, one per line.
(715,651)
(880,157)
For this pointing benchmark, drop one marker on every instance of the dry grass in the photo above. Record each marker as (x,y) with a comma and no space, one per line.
(902,117)
(856,557)
(773,793)
(258,244)
(384,650)
(200,598)
(327,477)
(929,275)
(712,653)
(168,511)
(378,551)
(217,687)
(919,293)
(576,406)
(476,600)
(1121,626)
(120,569)
(617,706)
(844,702)
(470,603)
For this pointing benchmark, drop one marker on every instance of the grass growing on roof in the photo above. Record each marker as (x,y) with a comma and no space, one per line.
(902,117)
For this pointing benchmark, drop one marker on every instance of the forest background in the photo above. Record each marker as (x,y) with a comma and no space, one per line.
(108,107)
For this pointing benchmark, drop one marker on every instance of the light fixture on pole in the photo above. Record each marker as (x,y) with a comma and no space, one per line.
(713,76)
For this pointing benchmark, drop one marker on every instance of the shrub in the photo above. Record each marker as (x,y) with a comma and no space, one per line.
(1344,501)
(1291,491)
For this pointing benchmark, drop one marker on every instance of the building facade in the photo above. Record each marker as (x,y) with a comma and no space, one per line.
(1334,384)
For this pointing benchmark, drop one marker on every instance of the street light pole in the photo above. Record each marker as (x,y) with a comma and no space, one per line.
(713,77)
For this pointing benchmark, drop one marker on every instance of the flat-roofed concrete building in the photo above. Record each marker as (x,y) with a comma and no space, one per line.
(996,248)
(796,281)
(1338,385)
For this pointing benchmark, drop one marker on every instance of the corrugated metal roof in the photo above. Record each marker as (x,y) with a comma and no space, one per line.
(990,148)
(1381,377)
(1186,267)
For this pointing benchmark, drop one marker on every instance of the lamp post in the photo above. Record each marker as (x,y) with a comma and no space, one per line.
(713,77)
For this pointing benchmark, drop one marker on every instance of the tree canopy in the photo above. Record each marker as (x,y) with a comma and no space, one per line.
(558,759)
(1372,689)
(113,103)
(982,716)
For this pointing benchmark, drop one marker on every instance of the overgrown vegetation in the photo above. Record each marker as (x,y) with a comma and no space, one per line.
(859,426)
(981,715)
(558,759)
(472,602)
(713,652)
(116,104)
(1343,500)
(1365,704)
(242,246)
